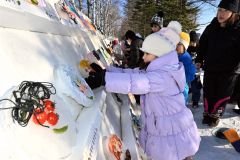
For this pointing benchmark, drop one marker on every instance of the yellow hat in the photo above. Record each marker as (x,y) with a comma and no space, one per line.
(185,39)
(84,63)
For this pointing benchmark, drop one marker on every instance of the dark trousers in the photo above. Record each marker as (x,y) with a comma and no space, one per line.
(235,98)
(196,87)
(217,89)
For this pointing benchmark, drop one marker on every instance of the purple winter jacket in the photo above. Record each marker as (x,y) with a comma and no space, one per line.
(168,130)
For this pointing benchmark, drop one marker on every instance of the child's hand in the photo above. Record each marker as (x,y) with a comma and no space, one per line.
(83,88)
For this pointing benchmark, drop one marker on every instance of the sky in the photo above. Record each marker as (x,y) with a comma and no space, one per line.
(208,12)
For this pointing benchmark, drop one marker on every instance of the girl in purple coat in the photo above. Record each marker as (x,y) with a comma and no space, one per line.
(168,130)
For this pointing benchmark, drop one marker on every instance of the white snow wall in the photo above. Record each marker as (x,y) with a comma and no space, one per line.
(31,44)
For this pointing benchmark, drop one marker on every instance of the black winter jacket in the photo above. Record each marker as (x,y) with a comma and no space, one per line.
(219,48)
(135,54)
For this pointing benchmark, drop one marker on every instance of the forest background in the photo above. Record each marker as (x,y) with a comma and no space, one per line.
(115,17)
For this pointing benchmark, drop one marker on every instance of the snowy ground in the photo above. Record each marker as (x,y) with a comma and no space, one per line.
(213,148)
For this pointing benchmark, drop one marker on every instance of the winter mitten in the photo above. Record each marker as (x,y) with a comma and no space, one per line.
(96,79)
(96,67)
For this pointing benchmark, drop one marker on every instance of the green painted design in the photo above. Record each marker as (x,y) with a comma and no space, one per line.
(60,130)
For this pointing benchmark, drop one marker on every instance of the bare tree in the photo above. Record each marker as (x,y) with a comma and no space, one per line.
(105,15)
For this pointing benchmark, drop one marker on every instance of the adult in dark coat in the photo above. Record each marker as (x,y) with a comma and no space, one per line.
(219,49)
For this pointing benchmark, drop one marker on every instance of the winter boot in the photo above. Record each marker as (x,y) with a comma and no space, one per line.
(206,118)
(214,120)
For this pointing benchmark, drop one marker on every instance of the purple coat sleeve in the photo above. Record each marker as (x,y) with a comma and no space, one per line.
(120,70)
(136,83)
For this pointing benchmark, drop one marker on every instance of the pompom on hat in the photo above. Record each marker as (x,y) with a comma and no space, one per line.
(184,39)
(157,19)
(231,5)
(164,41)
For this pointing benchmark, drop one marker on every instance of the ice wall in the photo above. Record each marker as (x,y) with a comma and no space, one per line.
(32,43)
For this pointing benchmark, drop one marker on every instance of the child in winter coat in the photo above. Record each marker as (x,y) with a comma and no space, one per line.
(168,130)
(196,84)
(186,59)
(157,21)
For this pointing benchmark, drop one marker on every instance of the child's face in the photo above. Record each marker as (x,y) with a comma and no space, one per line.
(147,57)
(155,28)
(180,48)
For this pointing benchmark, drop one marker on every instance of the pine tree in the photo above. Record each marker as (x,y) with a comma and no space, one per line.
(138,13)
(181,11)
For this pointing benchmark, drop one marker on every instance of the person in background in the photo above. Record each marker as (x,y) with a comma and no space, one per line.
(186,59)
(157,22)
(117,54)
(133,57)
(219,55)
(196,84)
(168,130)
(193,46)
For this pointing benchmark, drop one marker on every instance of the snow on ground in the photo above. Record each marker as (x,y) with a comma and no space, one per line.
(213,148)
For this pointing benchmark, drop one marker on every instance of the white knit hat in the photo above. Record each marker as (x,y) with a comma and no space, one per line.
(164,41)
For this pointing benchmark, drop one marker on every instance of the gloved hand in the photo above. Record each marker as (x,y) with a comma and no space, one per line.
(96,79)
(96,67)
